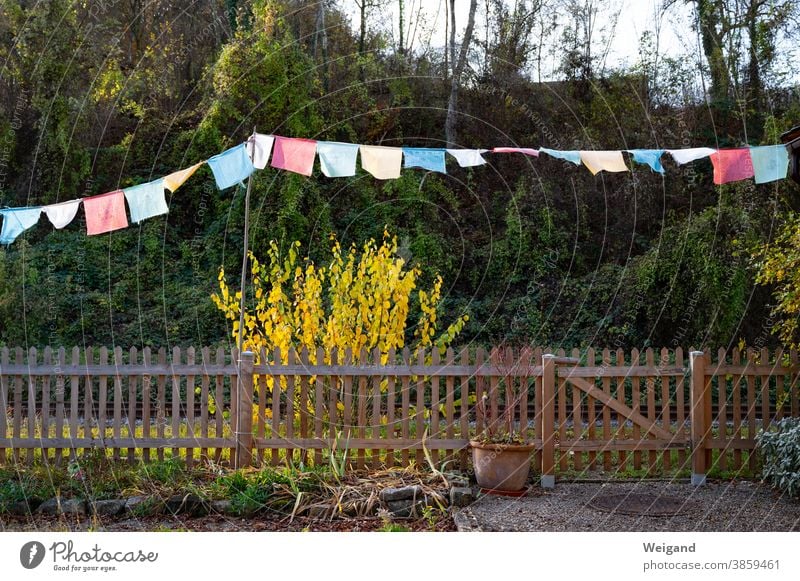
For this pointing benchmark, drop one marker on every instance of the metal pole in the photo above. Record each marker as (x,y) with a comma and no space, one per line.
(246,243)
(241,428)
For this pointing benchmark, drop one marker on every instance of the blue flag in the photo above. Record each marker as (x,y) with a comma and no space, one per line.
(231,166)
(337,160)
(426,158)
(570,156)
(651,157)
(770,163)
(16,221)
(146,200)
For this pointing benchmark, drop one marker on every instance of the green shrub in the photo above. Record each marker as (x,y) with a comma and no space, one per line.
(781,452)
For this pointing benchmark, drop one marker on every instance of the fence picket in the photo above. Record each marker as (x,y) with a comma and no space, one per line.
(303,405)
(590,414)
(450,412)
(74,390)
(419,456)
(636,399)
(651,407)
(765,381)
(276,406)
(435,403)
(464,396)
(621,390)
(780,393)
(361,406)
(161,401)
(319,404)
(577,423)
(89,415)
(59,417)
(347,396)
(146,397)
(606,411)
(405,397)
(391,404)
(176,401)
(375,426)
(204,394)
(190,423)
(45,408)
(334,425)
(751,405)
(722,406)
(31,424)
(537,408)
(3,404)
(795,385)
(133,392)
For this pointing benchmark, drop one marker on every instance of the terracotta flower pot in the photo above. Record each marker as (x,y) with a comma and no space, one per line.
(501,467)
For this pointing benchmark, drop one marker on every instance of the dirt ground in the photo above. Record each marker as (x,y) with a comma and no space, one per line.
(214,523)
(717,506)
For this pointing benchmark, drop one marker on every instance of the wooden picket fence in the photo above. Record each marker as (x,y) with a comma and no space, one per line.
(652,411)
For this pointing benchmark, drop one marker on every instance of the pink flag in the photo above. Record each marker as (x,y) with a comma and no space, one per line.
(294,154)
(525,150)
(732,165)
(105,213)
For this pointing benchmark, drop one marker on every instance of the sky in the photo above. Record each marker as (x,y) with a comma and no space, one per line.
(636,16)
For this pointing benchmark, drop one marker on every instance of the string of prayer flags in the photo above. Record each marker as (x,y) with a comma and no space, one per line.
(175,180)
(337,160)
(651,157)
(16,221)
(105,213)
(598,161)
(770,163)
(382,162)
(260,147)
(62,214)
(231,167)
(294,154)
(468,157)
(526,150)
(570,156)
(731,165)
(146,200)
(426,158)
(682,156)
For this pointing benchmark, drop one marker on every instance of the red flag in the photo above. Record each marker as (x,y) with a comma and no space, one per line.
(105,213)
(732,165)
(293,154)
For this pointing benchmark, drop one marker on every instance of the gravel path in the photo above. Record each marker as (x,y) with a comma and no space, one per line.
(717,506)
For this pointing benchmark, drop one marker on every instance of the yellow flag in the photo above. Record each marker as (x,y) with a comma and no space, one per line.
(382,162)
(598,161)
(174,180)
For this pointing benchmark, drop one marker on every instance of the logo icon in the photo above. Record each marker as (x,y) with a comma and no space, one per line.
(31,554)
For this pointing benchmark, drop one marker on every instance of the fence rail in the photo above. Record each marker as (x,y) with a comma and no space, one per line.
(592,410)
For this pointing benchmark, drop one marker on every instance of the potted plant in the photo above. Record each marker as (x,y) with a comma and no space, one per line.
(501,455)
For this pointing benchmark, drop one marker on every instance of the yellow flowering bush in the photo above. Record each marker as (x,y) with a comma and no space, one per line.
(359,301)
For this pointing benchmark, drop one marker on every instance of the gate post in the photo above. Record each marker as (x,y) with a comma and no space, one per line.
(698,413)
(244,412)
(548,421)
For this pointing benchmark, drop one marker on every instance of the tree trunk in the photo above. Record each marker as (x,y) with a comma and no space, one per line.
(458,69)
(709,20)
(402,49)
(362,38)
(321,43)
